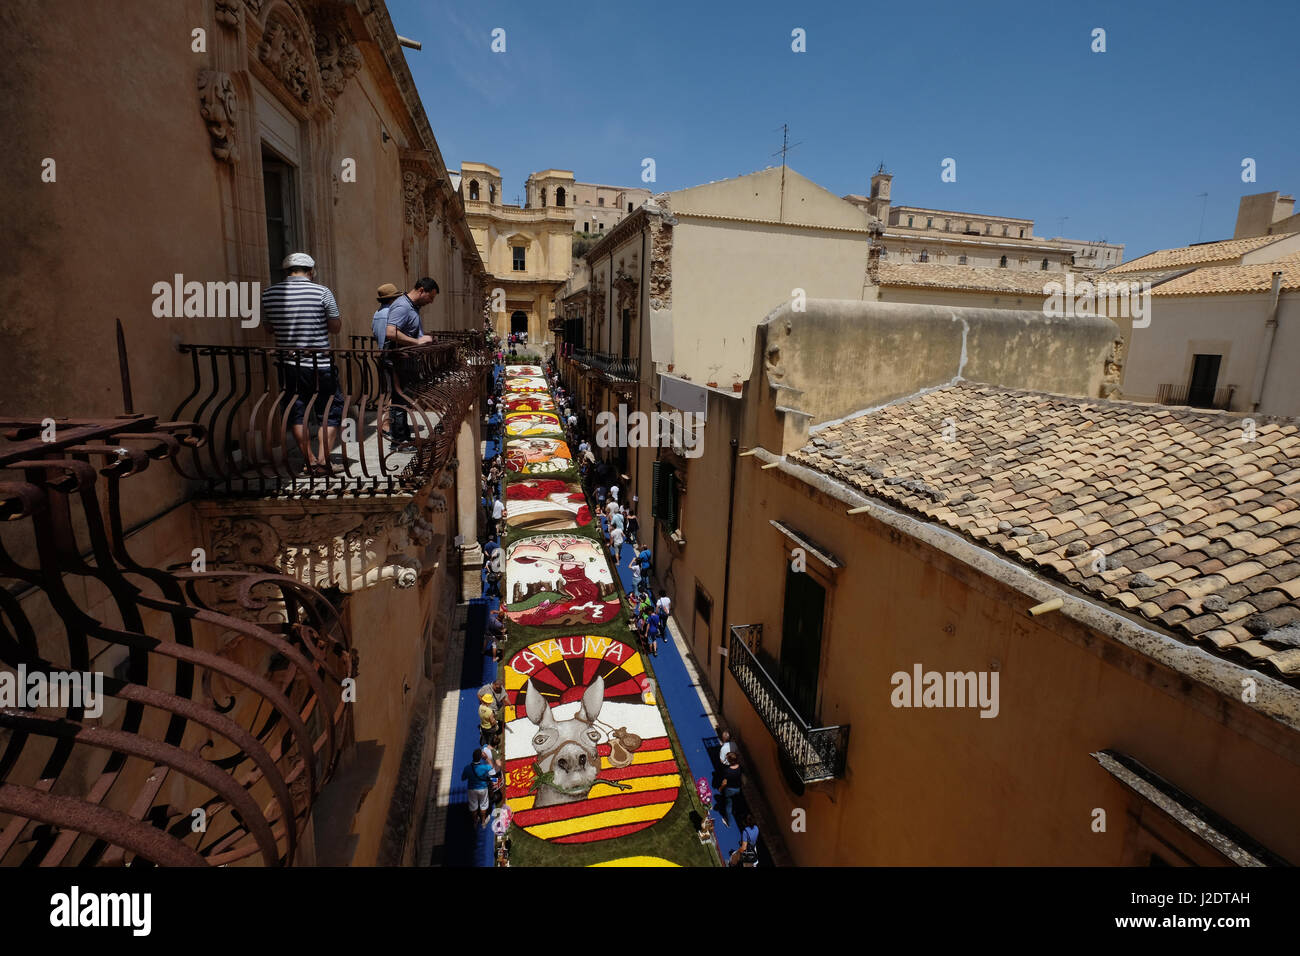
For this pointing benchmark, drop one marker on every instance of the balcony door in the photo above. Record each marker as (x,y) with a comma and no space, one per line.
(1204,381)
(801,641)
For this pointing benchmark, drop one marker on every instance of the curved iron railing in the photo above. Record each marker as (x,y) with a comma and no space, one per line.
(615,368)
(239,396)
(223,709)
(817,753)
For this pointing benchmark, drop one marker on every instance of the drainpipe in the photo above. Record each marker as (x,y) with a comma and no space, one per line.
(724,642)
(1266,347)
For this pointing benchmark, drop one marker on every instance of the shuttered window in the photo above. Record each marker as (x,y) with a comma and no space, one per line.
(664,504)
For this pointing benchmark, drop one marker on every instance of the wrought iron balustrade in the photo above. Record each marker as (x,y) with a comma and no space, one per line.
(240,399)
(816,753)
(1195,396)
(615,368)
(223,688)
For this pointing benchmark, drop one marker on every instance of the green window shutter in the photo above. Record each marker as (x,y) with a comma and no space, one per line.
(664,503)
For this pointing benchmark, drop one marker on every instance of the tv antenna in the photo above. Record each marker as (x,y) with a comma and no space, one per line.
(786,146)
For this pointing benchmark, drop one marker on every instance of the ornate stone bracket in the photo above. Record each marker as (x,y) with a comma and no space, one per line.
(218,106)
(227,13)
(338,59)
(347,550)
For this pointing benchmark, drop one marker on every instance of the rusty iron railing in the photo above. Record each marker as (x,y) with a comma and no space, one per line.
(224,687)
(239,398)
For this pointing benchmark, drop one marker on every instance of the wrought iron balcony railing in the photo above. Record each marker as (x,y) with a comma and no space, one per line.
(222,689)
(615,368)
(1195,396)
(816,753)
(239,397)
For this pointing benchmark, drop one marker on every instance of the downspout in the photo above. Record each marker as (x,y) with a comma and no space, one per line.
(1266,347)
(724,642)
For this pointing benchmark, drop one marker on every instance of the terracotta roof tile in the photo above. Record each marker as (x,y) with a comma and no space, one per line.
(1224,280)
(1185,256)
(1199,537)
(969,278)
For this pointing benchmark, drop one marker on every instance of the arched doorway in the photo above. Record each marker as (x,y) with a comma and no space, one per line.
(519,322)
(559,196)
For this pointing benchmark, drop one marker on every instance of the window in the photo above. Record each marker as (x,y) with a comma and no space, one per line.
(602,227)
(909,221)
(664,504)
(1044,267)
(1022,233)
(1005,231)
(1003,264)
(281,210)
(629,207)
(947,225)
(520,262)
(961,259)
(801,641)
(600,201)
(586,227)
(543,197)
(492,192)
(473,189)
(925,255)
(929,222)
(559,197)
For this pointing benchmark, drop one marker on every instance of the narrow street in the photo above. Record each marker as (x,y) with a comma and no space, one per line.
(453,838)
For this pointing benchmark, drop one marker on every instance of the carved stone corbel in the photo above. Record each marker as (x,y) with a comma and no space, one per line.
(218,105)
(338,59)
(227,13)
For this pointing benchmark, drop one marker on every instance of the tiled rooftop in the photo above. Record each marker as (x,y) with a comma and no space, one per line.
(1200,531)
(1227,279)
(1205,253)
(929,275)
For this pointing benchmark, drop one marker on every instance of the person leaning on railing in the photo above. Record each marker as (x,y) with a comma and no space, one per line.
(404,329)
(303,315)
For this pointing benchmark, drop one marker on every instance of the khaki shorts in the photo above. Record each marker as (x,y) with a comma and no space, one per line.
(478,800)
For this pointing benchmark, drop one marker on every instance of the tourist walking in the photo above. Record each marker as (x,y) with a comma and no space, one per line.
(727,784)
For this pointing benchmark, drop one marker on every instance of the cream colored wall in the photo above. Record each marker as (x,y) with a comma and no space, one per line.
(945,786)
(726,276)
(1231,325)
(1273,251)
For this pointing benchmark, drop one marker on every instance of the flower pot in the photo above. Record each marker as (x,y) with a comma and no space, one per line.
(737,386)
(711,384)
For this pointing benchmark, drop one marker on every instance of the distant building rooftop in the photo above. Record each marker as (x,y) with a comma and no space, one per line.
(1234,279)
(1202,253)
(970,278)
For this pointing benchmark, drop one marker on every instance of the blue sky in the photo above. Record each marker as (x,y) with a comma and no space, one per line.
(1122,142)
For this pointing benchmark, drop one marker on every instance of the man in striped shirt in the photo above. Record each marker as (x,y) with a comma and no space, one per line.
(303,315)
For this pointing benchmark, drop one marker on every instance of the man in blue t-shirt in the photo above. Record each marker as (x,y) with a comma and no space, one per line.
(479,776)
(403,329)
